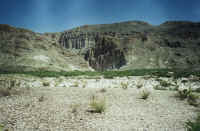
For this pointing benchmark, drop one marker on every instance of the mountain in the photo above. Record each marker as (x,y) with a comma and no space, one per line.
(24,50)
(121,46)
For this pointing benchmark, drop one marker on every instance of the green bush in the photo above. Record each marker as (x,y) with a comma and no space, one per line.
(187,94)
(193,125)
(177,73)
(164,83)
(1,127)
(183,94)
(46,84)
(192,99)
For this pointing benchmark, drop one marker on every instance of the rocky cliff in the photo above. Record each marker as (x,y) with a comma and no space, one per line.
(118,46)
(136,45)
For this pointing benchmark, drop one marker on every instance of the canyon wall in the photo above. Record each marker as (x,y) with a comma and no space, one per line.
(117,46)
(171,45)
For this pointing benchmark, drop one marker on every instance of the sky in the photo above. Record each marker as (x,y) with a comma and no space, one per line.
(59,15)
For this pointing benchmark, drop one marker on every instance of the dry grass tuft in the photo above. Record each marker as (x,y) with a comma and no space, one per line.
(103,90)
(139,86)
(74,108)
(124,85)
(97,105)
(145,94)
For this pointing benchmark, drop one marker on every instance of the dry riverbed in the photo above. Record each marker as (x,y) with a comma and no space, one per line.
(64,104)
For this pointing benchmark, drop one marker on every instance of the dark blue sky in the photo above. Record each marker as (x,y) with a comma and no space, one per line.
(59,15)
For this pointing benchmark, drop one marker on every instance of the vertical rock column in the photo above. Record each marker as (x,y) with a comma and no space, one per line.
(105,55)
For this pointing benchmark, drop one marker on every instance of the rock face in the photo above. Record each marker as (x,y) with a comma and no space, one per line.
(132,45)
(103,50)
(105,55)
(118,46)
(98,49)
(77,40)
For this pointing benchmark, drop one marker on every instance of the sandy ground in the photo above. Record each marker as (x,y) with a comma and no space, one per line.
(51,108)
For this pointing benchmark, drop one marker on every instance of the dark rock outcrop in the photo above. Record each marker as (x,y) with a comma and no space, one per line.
(101,53)
(105,55)
(129,45)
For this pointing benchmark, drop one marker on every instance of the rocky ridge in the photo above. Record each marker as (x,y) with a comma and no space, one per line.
(170,45)
(117,46)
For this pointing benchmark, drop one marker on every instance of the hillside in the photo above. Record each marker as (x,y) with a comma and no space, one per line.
(125,45)
(25,50)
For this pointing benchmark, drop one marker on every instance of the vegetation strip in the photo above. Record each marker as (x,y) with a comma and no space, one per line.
(176,73)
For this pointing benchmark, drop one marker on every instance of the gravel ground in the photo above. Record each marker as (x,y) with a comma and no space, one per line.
(51,109)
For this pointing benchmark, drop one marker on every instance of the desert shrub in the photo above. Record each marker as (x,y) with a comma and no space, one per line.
(75,108)
(192,99)
(46,84)
(41,99)
(84,83)
(183,94)
(76,84)
(145,94)
(139,86)
(164,83)
(124,85)
(193,125)
(103,90)
(187,94)
(97,106)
